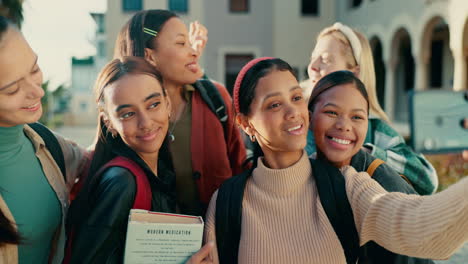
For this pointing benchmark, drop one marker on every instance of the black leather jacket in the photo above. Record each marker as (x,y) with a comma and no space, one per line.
(100,237)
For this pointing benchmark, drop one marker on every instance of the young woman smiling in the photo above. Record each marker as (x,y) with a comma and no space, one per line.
(339,47)
(282,219)
(33,191)
(134,112)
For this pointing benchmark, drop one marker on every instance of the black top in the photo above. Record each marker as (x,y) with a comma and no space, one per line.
(100,235)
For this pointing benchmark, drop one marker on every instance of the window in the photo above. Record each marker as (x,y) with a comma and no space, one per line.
(179,6)
(234,63)
(100,23)
(436,67)
(132,5)
(101,49)
(83,106)
(310,7)
(356,3)
(238,6)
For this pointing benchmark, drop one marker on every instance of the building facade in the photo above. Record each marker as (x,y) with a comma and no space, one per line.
(83,109)
(417,45)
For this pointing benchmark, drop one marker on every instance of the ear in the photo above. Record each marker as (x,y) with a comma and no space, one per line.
(356,70)
(106,120)
(243,122)
(169,105)
(150,56)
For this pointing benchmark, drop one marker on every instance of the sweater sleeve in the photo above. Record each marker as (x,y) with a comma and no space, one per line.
(390,146)
(210,227)
(421,226)
(235,144)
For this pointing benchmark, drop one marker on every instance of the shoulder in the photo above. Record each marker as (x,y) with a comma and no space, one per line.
(116,182)
(380,126)
(118,178)
(237,182)
(222,90)
(391,181)
(361,160)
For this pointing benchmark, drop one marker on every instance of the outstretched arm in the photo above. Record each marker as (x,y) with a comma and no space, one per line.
(421,226)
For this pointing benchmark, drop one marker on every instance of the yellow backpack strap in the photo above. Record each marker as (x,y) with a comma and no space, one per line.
(407,180)
(373,166)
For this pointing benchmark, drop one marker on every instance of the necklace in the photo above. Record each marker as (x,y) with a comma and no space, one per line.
(180,116)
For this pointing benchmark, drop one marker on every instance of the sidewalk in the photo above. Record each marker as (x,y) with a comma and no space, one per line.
(461,257)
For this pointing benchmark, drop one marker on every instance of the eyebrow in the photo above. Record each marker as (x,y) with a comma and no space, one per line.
(352,110)
(153,95)
(13,82)
(278,93)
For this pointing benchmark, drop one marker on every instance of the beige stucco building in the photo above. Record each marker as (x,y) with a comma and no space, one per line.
(417,44)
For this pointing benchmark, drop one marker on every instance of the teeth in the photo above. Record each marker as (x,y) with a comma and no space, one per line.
(341,141)
(32,106)
(294,128)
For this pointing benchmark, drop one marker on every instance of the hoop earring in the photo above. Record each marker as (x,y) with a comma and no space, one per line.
(253,138)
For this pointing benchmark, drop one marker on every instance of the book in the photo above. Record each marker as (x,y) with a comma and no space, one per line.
(163,238)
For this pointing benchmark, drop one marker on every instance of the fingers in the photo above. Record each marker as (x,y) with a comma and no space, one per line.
(203,256)
(465,155)
(192,30)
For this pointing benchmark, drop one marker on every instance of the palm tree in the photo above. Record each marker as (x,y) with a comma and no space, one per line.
(13,10)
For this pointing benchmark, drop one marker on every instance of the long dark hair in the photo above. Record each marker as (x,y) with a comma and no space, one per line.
(8,232)
(245,86)
(334,79)
(132,39)
(105,143)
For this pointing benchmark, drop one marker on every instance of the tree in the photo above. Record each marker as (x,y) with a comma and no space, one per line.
(54,104)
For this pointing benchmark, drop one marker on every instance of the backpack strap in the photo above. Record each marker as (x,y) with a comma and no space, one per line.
(229,217)
(373,166)
(211,96)
(332,192)
(52,145)
(143,189)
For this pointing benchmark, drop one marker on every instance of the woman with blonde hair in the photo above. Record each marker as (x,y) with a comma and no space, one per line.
(339,47)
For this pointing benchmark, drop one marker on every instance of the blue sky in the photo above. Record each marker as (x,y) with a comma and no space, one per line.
(58,30)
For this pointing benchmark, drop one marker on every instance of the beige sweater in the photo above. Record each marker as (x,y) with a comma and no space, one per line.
(283,220)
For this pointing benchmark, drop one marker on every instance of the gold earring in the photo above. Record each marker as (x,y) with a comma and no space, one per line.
(252,138)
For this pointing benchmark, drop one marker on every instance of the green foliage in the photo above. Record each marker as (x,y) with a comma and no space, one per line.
(450,168)
(54,103)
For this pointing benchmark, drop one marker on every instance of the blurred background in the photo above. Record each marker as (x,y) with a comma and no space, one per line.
(417,45)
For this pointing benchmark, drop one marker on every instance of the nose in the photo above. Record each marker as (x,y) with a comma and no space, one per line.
(33,86)
(194,52)
(144,121)
(314,65)
(292,111)
(343,124)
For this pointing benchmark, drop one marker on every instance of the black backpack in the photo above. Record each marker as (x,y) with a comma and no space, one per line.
(213,99)
(52,145)
(332,192)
